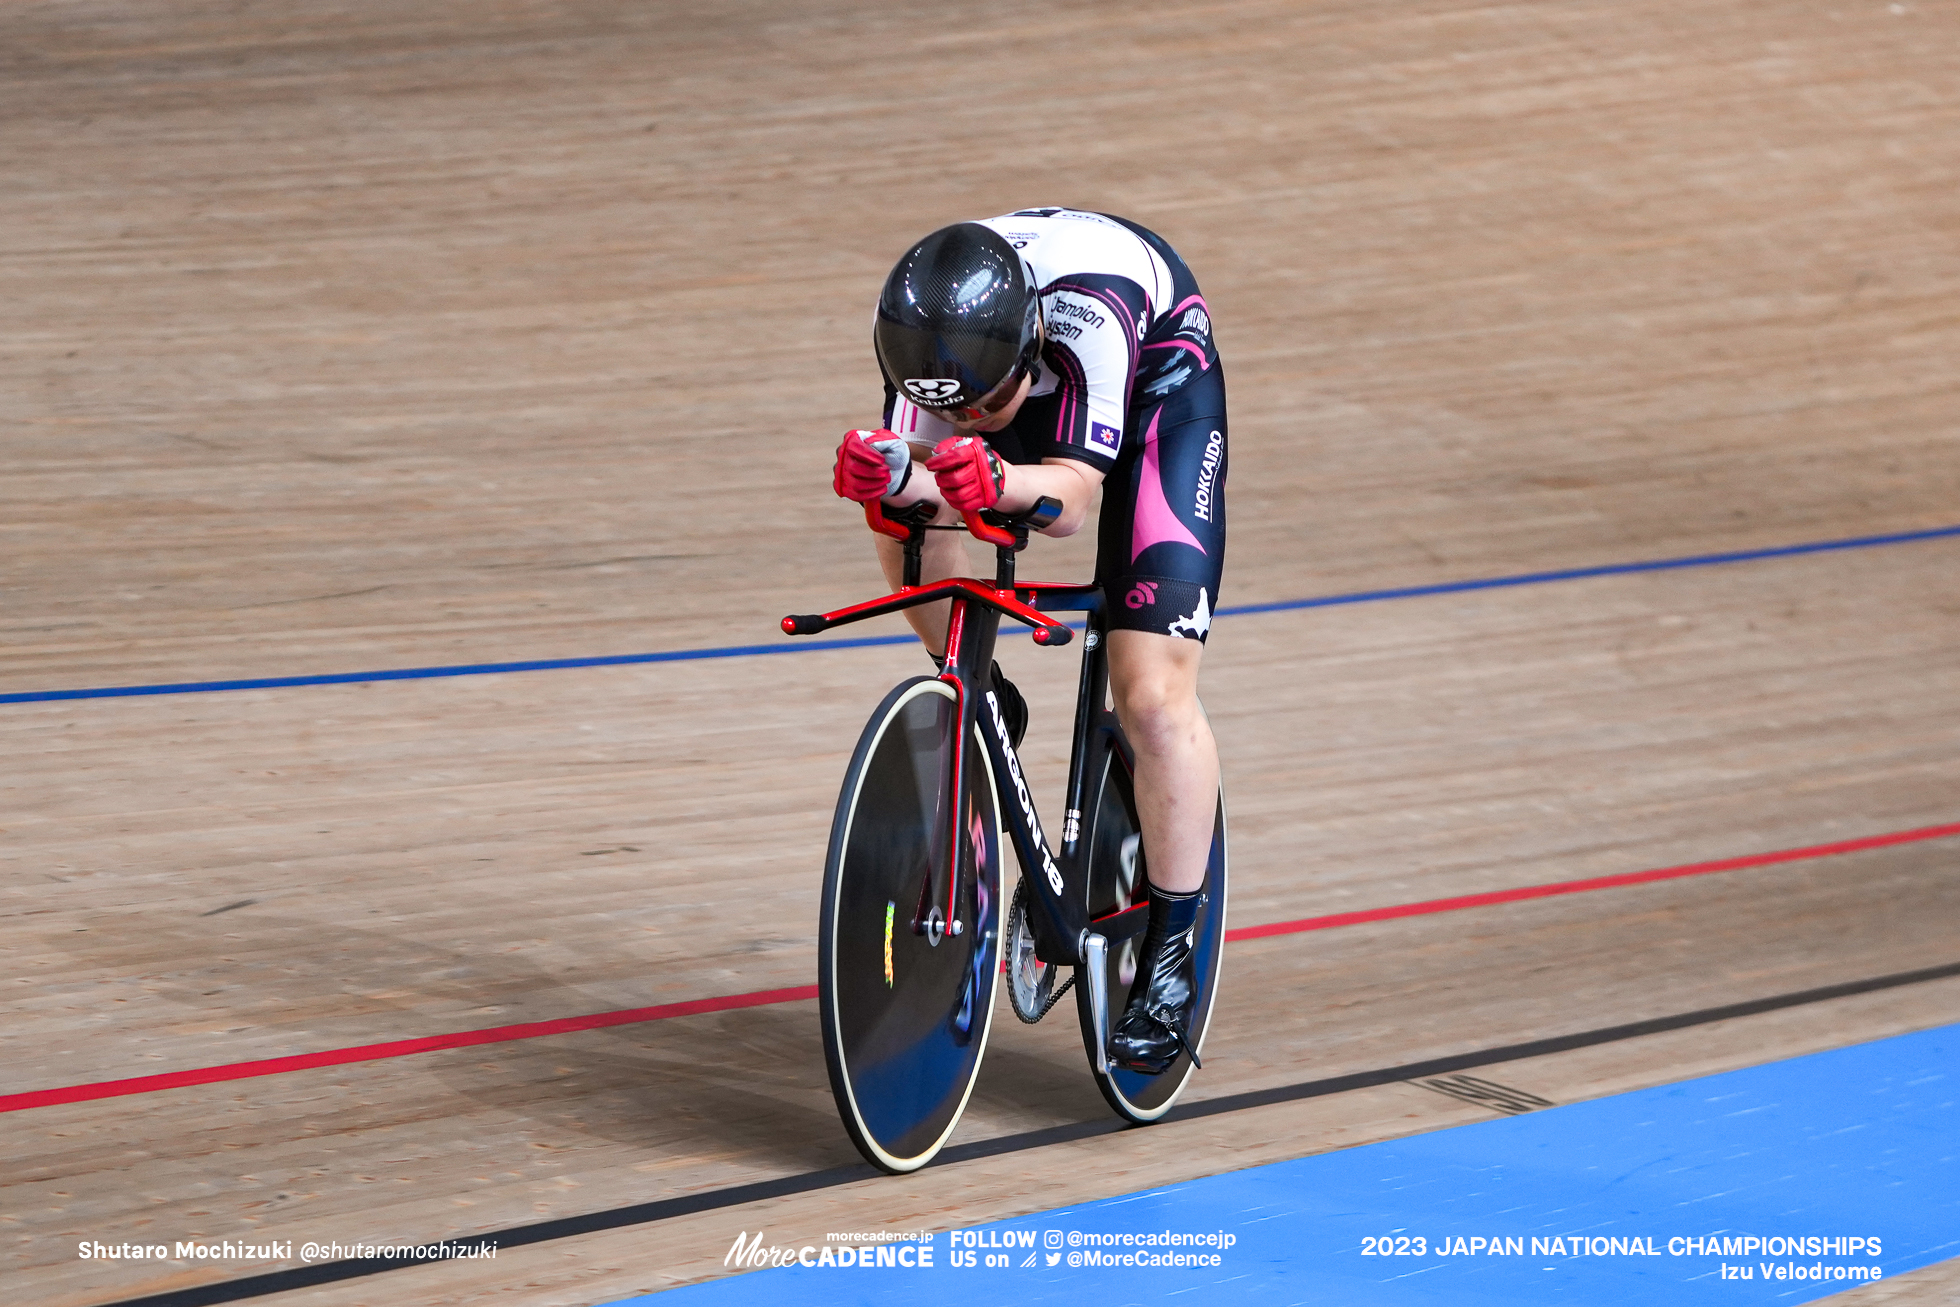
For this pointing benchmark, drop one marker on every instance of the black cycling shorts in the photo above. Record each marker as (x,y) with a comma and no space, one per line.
(1161,545)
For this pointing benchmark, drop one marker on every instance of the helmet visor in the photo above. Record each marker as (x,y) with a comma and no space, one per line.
(999,397)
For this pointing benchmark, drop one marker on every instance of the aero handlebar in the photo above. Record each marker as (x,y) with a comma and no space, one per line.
(1001,597)
(874,517)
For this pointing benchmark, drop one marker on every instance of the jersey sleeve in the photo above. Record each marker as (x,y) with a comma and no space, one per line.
(1095,326)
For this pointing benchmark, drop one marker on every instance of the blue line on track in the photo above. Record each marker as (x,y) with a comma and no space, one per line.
(1584,573)
(463,669)
(813,646)
(1591,1203)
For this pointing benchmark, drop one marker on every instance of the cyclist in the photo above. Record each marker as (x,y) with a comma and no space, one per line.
(1049,352)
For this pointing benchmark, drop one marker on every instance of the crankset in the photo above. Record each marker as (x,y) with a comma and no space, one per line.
(1031,987)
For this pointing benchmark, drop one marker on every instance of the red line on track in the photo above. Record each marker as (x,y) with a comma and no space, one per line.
(1593,883)
(633,1016)
(273,1066)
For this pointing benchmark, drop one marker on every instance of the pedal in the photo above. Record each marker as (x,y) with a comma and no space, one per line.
(1095,956)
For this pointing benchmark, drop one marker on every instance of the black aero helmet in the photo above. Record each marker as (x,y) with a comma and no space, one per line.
(958,316)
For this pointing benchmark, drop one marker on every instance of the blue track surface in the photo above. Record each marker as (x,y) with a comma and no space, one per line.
(814,646)
(1861,1142)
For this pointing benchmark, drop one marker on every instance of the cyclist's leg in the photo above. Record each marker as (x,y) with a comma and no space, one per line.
(1161,554)
(1154,681)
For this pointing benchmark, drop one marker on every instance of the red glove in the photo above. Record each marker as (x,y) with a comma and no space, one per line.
(871,465)
(970,475)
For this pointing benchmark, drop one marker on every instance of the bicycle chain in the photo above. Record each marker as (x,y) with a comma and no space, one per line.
(1016,923)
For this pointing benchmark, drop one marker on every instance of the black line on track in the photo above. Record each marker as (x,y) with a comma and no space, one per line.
(565,1227)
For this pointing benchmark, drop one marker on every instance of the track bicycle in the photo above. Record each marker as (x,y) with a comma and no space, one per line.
(912,939)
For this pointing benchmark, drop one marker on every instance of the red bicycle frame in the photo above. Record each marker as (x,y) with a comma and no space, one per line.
(1063,932)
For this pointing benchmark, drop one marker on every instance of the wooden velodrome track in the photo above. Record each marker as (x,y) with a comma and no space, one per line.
(387,335)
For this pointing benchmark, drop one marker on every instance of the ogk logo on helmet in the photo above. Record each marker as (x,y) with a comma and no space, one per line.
(931,389)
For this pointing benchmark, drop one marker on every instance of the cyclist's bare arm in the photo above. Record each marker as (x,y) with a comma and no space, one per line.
(1067,480)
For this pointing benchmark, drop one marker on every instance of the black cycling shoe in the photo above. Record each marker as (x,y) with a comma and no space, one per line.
(1013,708)
(1151,1032)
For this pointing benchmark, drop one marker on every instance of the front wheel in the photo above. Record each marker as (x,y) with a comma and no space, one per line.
(906,1011)
(1117,878)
